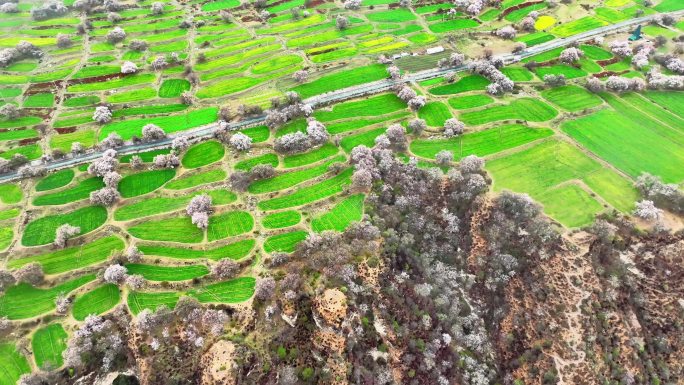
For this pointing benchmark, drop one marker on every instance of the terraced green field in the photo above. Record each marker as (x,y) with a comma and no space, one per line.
(97,301)
(48,343)
(435,114)
(79,192)
(229,224)
(202,154)
(310,193)
(138,301)
(42,231)
(73,258)
(12,364)
(528,109)
(25,301)
(167,273)
(571,98)
(248,164)
(196,179)
(312,156)
(144,182)
(281,219)
(285,242)
(232,291)
(292,178)
(341,215)
(55,180)
(10,194)
(178,229)
(236,250)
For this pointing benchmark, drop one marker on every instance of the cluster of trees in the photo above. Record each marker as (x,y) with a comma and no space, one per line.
(105,167)
(296,142)
(665,195)
(199,209)
(408,95)
(240,180)
(48,10)
(23,50)
(286,109)
(490,69)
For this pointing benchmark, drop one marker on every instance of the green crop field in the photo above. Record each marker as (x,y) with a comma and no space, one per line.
(571,98)
(281,219)
(171,230)
(481,143)
(25,301)
(465,84)
(12,364)
(292,178)
(55,180)
(48,343)
(42,231)
(434,113)
(303,159)
(138,301)
(202,154)
(527,109)
(144,182)
(373,106)
(236,251)
(197,179)
(642,146)
(232,291)
(80,191)
(248,164)
(171,123)
(167,273)
(470,101)
(173,88)
(341,215)
(578,26)
(365,138)
(542,169)
(310,193)
(97,301)
(229,224)
(342,79)
(285,242)
(10,194)
(73,258)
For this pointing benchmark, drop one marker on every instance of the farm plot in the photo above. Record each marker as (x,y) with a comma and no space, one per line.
(160,205)
(575,27)
(481,143)
(64,141)
(10,194)
(285,242)
(373,106)
(6,236)
(167,273)
(81,191)
(139,301)
(248,164)
(310,193)
(178,229)
(569,72)
(470,101)
(144,182)
(281,219)
(48,343)
(671,101)
(25,301)
(571,98)
(202,154)
(341,215)
(42,231)
(229,224)
(365,138)
(434,113)
(193,180)
(172,123)
(542,170)
(341,79)
(292,178)
(528,109)
(641,147)
(55,180)
(653,110)
(306,158)
(173,88)
(235,251)
(12,364)
(147,156)
(73,258)
(465,84)
(232,291)
(97,301)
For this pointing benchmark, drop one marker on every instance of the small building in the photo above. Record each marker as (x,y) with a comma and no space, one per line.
(434,50)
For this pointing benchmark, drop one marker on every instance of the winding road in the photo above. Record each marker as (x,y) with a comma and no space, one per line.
(378,86)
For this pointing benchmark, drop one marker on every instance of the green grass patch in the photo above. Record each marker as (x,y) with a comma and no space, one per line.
(232,291)
(202,154)
(292,178)
(144,182)
(132,95)
(310,193)
(303,159)
(81,101)
(365,138)
(281,219)
(79,192)
(248,164)
(235,251)
(258,134)
(197,179)
(470,101)
(10,194)
(285,242)
(25,301)
(20,122)
(9,214)
(139,301)
(342,79)
(397,15)
(48,343)
(73,258)
(669,6)
(12,364)
(527,109)
(465,84)
(173,88)
(575,27)
(63,141)
(167,273)
(39,101)
(172,123)
(31,151)
(535,38)
(149,110)
(452,25)
(97,301)
(571,98)
(18,134)
(178,229)
(671,101)
(593,52)
(434,113)
(42,230)
(341,215)
(373,106)
(557,201)
(111,84)
(229,224)
(55,180)
(518,74)
(481,143)
(570,72)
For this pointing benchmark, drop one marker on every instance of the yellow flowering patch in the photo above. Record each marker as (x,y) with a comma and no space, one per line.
(544,22)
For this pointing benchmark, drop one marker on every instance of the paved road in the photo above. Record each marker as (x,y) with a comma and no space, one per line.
(207,131)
